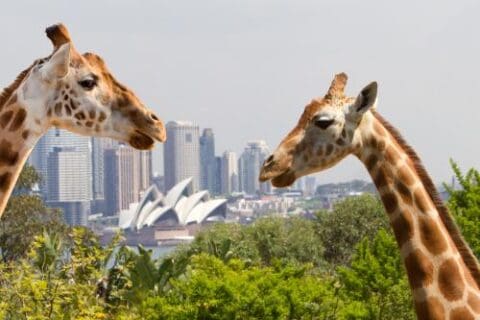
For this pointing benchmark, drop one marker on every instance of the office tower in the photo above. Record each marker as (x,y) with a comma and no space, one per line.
(249,167)
(217,176)
(69,183)
(207,160)
(310,185)
(127,175)
(99,145)
(229,172)
(299,184)
(181,153)
(61,139)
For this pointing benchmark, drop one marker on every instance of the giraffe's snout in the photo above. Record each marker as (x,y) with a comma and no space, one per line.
(147,128)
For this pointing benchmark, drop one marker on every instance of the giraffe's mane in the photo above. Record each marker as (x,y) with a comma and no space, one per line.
(8,91)
(467,255)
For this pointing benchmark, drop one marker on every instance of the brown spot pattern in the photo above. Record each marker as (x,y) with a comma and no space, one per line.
(474,302)
(80,115)
(380,179)
(5,118)
(389,201)
(421,200)
(419,269)
(405,175)
(371,161)
(5,180)
(89,124)
(8,156)
(404,192)
(73,105)
(68,110)
(461,313)
(403,227)
(25,134)
(450,281)
(431,236)
(58,109)
(91,114)
(102,116)
(18,119)
(430,309)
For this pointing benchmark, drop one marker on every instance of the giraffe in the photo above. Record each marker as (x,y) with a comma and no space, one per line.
(443,273)
(71,91)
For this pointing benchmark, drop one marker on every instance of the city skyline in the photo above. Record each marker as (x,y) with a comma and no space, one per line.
(247,74)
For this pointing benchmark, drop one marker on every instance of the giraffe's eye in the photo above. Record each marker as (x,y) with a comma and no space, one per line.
(323,122)
(88,84)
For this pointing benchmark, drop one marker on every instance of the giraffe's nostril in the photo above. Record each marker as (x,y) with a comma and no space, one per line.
(154,117)
(269,160)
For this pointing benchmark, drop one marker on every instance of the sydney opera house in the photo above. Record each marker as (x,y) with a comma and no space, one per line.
(180,207)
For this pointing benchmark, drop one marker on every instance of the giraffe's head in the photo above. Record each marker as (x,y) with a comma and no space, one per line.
(325,134)
(78,93)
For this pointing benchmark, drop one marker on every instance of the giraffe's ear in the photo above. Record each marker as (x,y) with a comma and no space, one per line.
(57,66)
(366,99)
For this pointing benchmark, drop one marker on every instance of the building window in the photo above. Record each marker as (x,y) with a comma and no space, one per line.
(188,137)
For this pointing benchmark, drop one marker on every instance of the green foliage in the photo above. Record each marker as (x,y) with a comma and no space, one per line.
(214,289)
(465,205)
(375,285)
(48,285)
(28,178)
(350,221)
(265,242)
(342,265)
(25,217)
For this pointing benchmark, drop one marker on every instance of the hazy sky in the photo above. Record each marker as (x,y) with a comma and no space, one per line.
(247,68)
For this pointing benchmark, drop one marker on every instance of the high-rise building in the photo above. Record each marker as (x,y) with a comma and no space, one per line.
(310,185)
(61,139)
(207,160)
(249,166)
(127,175)
(229,172)
(99,145)
(217,177)
(69,183)
(181,153)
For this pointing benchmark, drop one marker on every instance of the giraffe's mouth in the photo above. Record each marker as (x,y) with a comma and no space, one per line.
(141,141)
(285,179)
(279,180)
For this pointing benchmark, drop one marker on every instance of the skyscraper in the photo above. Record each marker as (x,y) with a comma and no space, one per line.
(99,145)
(229,172)
(61,139)
(69,183)
(181,153)
(249,167)
(127,175)
(207,160)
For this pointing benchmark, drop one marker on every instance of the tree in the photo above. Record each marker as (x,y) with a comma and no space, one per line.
(375,285)
(214,289)
(25,217)
(465,205)
(265,241)
(351,220)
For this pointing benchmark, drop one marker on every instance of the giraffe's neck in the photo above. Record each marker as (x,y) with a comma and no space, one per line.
(439,278)
(21,125)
